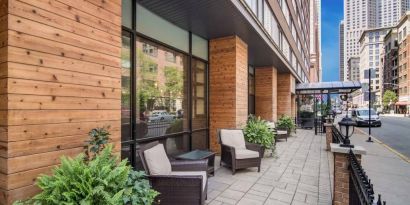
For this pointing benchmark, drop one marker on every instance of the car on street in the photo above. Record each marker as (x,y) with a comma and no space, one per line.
(361,117)
(160,116)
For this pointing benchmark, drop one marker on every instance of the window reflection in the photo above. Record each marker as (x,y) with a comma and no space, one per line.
(126,88)
(199,96)
(161,90)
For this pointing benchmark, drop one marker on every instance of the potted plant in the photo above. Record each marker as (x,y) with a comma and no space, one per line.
(258,131)
(286,123)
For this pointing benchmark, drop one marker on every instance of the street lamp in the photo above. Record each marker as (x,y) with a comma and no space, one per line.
(344,127)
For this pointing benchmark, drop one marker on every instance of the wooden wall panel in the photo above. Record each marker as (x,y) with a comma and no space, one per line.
(60,76)
(228,84)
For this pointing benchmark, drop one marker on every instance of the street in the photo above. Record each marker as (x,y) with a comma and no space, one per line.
(394,132)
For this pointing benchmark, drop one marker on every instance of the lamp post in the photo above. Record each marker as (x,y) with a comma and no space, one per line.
(370,106)
(346,127)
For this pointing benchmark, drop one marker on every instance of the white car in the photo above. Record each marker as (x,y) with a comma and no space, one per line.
(160,115)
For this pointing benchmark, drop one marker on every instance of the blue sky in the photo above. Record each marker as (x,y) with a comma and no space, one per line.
(332,14)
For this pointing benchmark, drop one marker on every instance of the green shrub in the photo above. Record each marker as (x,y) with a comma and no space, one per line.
(258,131)
(286,122)
(138,190)
(100,180)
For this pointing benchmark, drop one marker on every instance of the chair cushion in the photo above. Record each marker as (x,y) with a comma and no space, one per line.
(233,138)
(245,154)
(271,125)
(192,173)
(281,132)
(157,160)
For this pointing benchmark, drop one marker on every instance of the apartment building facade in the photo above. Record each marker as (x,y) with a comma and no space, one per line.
(353,67)
(315,49)
(371,47)
(341,51)
(368,14)
(173,71)
(390,59)
(403,104)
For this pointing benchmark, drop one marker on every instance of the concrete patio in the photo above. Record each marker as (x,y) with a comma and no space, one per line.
(300,173)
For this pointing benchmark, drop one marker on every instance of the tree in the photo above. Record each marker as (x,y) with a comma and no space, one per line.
(389,97)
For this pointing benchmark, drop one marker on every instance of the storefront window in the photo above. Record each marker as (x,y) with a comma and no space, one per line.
(126,88)
(161,91)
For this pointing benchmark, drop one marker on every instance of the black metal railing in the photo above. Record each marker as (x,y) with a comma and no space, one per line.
(337,136)
(361,189)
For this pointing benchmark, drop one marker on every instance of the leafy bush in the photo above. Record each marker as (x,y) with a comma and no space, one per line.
(102,179)
(258,131)
(138,190)
(286,122)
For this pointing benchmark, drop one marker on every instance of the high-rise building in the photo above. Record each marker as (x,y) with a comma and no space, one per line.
(371,45)
(315,67)
(403,105)
(353,69)
(390,62)
(341,51)
(360,15)
(319,25)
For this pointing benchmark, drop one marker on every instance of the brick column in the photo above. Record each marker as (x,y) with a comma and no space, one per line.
(329,137)
(266,93)
(228,85)
(285,87)
(341,172)
(293,106)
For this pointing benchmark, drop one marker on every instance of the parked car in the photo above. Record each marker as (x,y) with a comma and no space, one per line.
(361,117)
(160,115)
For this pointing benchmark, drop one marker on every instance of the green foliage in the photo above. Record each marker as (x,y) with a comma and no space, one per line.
(176,126)
(138,190)
(98,139)
(389,97)
(174,81)
(100,181)
(258,131)
(286,122)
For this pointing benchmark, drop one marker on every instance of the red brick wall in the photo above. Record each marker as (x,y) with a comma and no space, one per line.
(284,94)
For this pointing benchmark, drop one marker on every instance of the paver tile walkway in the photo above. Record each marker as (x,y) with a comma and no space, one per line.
(298,174)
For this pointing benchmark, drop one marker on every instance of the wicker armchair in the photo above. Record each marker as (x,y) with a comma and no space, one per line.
(186,184)
(280,133)
(239,154)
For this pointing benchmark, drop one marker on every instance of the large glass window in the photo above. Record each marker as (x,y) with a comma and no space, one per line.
(251,90)
(161,92)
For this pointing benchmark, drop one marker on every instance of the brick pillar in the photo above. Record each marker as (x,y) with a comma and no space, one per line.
(342,173)
(329,137)
(285,89)
(266,93)
(293,106)
(228,85)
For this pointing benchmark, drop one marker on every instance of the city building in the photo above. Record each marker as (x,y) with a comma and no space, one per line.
(353,69)
(361,15)
(341,51)
(389,61)
(315,52)
(403,104)
(173,71)
(371,46)
(319,30)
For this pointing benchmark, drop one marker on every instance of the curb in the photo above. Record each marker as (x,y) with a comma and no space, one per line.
(406,159)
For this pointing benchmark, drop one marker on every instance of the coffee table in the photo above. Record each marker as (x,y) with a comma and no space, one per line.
(200,154)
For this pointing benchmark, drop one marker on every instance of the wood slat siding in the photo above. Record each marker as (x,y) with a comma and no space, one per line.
(60,76)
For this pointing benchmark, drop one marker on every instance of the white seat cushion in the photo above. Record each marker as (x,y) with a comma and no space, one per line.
(157,160)
(281,132)
(245,154)
(271,125)
(233,138)
(192,173)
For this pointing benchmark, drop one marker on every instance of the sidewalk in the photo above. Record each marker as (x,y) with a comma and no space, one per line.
(299,174)
(389,173)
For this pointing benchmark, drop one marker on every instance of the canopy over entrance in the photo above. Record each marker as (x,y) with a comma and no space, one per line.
(335,87)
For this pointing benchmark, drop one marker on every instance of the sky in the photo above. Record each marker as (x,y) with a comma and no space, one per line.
(332,14)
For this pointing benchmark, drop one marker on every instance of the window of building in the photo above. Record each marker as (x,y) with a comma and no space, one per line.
(251,90)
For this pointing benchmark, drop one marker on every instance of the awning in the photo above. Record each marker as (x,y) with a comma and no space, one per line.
(335,87)
(402,103)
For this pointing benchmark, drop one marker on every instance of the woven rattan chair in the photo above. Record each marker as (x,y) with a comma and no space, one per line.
(239,154)
(186,184)
(280,133)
